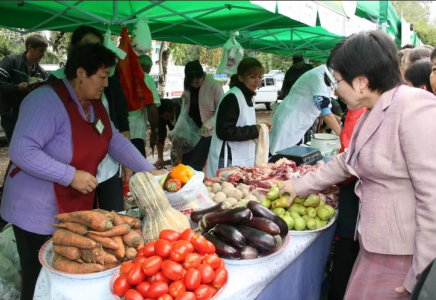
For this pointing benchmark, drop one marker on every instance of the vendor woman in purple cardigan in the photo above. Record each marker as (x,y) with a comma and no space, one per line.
(63,133)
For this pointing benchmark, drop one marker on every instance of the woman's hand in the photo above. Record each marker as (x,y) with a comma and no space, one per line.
(157,172)
(288,187)
(401,290)
(84,182)
(126,174)
(268,125)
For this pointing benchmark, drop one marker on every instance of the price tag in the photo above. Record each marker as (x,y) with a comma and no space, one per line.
(98,125)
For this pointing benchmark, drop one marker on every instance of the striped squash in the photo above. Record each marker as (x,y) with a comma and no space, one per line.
(159,215)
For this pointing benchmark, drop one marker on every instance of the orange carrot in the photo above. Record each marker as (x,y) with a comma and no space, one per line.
(63,264)
(109,258)
(106,213)
(121,251)
(131,253)
(132,239)
(67,238)
(92,219)
(95,255)
(104,241)
(117,218)
(139,232)
(108,266)
(114,231)
(74,227)
(72,253)
(133,222)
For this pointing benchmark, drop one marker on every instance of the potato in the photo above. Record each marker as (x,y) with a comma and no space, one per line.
(252,198)
(219,197)
(211,195)
(227,184)
(242,187)
(241,203)
(232,192)
(209,189)
(216,187)
(232,201)
(245,192)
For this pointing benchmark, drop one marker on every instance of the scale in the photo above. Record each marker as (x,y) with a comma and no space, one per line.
(300,155)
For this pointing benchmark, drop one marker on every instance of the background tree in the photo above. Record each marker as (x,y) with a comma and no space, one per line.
(164,56)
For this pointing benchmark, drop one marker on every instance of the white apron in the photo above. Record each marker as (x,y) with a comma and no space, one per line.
(243,153)
(297,113)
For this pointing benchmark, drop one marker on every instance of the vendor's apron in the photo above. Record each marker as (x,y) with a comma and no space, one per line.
(89,149)
(243,153)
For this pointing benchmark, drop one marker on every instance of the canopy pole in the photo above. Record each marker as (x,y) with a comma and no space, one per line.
(260,23)
(191,40)
(274,36)
(292,39)
(115,12)
(103,20)
(260,36)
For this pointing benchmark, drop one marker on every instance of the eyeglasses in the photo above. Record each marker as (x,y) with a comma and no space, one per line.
(333,83)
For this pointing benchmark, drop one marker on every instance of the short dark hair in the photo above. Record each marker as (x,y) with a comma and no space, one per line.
(372,54)
(419,73)
(36,41)
(297,58)
(418,53)
(234,80)
(81,31)
(90,57)
(193,69)
(408,46)
(249,66)
(166,105)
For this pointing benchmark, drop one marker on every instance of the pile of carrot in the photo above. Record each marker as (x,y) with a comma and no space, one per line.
(94,241)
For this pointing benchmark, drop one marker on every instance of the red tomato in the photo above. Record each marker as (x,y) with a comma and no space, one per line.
(188,245)
(165,297)
(148,250)
(121,285)
(139,260)
(172,270)
(211,248)
(200,244)
(133,295)
(162,248)
(212,260)
(205,292)
(125,267)
(222,266)
(192,279)
(140,252)
(136,275)
(183,275)
(159,276)
(176,288)
(143,287)
(186,296)
(152,265)
(207,273)
(169,235)
(179,251)
(157,289)
(220,279)
(187,234)
(192,260)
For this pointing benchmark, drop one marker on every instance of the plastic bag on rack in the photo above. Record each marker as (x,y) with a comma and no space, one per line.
(184,136)
(231,57)
(142,41)
(8,246)
(10,279)
(111,46)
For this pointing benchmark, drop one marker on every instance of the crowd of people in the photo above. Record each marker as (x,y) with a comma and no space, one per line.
(74,142)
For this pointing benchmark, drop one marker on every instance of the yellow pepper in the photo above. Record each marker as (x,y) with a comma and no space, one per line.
(182,173)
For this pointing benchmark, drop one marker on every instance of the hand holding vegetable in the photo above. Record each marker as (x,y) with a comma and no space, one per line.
(84,182)
(288,187)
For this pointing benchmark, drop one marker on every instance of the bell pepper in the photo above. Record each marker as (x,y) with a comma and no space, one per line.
(182,173)
(173,185)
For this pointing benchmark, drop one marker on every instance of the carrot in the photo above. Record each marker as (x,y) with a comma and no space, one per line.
(67,238)
(106,213)
(132,239)
(131,253)
(114,231)
(110,251)
(72,253)
(108,266)
(121,251)
(95,255)
(138,231)
(117,218)
(133,222)
(63,264)
(92,219)
(109,258)
(74,227)
(104,241)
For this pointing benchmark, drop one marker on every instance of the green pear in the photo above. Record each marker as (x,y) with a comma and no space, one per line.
(281,202)
(323,213)
(298,200)
(312,201)
(279,211)
(321,203)
(298,208)
(306,217)
(287,213)
(319,223)
(300,224)
(311,224)
(317,218)
(311,212)
(295,215)
(273,194)
(289,221)
(330,209)
(265,202)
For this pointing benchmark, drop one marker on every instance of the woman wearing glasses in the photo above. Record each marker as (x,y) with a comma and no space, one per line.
(393,160)
(308,98)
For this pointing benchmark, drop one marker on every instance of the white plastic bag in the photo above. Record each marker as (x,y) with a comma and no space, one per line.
(142,40)
(184,136)
(232,56)
(8,246)
(111,46)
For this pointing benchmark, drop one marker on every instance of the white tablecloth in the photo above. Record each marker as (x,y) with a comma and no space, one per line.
(245,281)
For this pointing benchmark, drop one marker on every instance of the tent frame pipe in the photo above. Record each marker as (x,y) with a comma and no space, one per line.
(123,20)
(305,41)
(103,20)
(115,12)
(71,25)
(191,40)
(319,43)
(316,49)
(274,36)
(260,23)
(292,40)
(61,16)
(189,26)
(260,36)
(322,34)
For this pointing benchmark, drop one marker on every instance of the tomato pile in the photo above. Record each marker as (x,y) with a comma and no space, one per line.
(175,267)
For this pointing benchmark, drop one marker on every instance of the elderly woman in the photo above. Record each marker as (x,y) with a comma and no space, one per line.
(63,133)
(392,158)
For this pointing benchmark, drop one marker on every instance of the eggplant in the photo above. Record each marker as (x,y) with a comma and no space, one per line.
(257,238)
(198,214)
(249,252)
(229,235)
(279,244)
(237,215)
(222,249)
(259,210)
(264,224)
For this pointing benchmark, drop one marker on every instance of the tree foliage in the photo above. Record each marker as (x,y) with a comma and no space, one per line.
(183,53)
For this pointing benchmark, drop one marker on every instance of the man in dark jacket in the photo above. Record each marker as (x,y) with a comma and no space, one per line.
(299,67)
(17,74)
